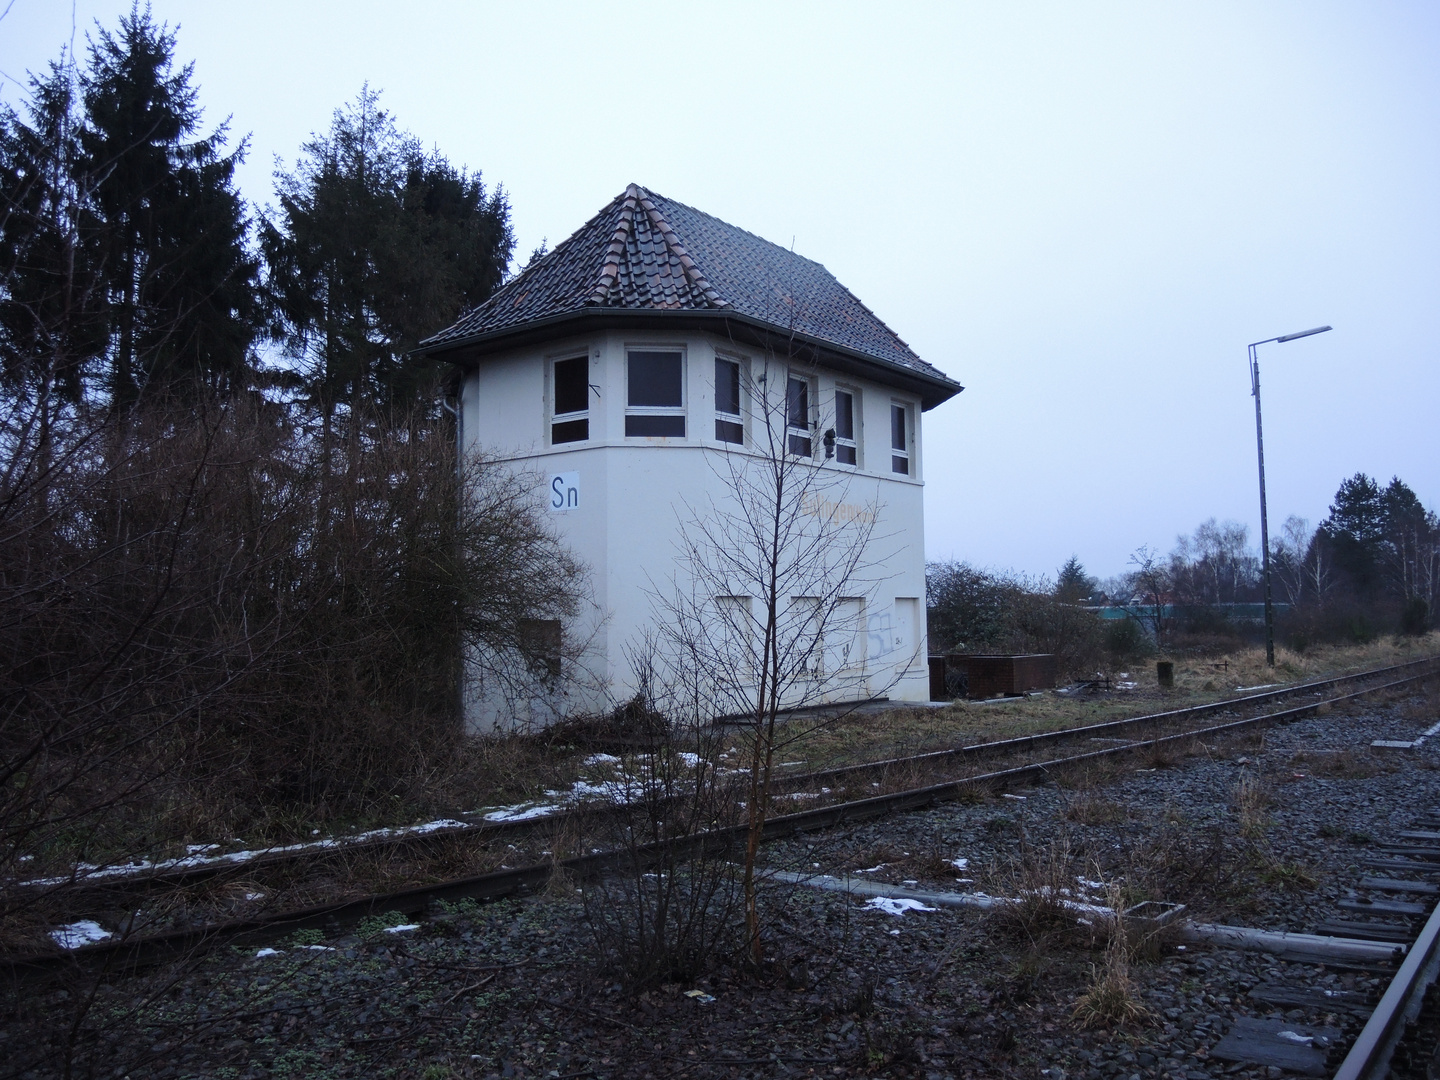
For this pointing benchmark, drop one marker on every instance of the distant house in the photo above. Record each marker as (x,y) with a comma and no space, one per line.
(613,366)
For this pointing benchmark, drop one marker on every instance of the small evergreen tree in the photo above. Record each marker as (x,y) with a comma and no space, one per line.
(1072,584)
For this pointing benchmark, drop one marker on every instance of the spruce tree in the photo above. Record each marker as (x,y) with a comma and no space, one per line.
(52,310)
(180,281)
(375,245)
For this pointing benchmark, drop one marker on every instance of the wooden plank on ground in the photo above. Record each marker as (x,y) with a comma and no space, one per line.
(1277,1042)
(1311,997)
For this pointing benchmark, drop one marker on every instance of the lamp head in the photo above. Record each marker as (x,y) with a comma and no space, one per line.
(1304,333)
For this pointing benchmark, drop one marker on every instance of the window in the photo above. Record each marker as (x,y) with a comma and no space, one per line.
(797,416)
(654,405)
(570,385)
(845,446)
(900,439)
(540,642)
(729,427)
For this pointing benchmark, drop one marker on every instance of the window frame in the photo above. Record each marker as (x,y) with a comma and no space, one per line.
(737,418)
(559,419)
(902,455)
(852,443)
(682,411)
(791,436)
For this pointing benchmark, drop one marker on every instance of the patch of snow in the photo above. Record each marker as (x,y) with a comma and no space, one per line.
(960,864)
(1295,1037)
(871,870)
(897,906)
(76,934)
(317,948)
(200,854)
(523,812)
(1262,686)
(1020,798)
(402,929)
(602,759)
(267,952)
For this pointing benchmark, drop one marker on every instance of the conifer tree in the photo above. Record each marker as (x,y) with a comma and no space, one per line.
(51,309)
(375,245)
(180,282)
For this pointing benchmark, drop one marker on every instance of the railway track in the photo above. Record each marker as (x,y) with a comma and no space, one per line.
(129,952)
(1129,729)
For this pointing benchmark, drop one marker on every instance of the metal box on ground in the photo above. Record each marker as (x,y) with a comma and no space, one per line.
(988,676)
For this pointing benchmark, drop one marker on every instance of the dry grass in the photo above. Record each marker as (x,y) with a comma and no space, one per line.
(1040,881)
(1111,999)
(1088,808)
(1250,799)
(868,735)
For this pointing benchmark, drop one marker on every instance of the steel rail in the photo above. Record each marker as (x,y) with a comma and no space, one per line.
(1369,1057)
(142,951)
(484,831)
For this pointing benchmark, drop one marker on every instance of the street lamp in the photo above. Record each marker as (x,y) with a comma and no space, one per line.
(1260,453)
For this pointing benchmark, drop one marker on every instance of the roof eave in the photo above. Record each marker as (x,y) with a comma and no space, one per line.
(933,390)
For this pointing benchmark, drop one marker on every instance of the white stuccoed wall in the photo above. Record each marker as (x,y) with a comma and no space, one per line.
(633,494)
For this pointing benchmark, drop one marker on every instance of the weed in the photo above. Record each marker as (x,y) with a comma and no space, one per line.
(308,936)
(1040,882)
(373,925)
(1111,998)
(1286,876)
(1250,799)
(1089,809)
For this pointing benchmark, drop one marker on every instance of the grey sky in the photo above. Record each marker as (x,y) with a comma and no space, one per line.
(1082,212)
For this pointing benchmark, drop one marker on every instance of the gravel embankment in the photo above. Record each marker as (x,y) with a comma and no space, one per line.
(1262,832)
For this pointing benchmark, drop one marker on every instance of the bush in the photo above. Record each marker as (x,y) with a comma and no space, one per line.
(217,621)
(1125,640)
(976,611)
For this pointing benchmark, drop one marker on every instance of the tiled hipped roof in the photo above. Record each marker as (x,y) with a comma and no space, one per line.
(645,252)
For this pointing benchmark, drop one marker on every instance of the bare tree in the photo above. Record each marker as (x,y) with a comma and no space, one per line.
(768,609)
(1150,593)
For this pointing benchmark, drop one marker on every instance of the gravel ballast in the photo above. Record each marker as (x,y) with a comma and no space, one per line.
(1265,831)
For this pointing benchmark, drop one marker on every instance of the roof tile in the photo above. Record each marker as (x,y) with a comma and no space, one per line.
(645,251)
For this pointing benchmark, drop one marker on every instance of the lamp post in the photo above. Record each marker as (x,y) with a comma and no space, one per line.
(1260,454)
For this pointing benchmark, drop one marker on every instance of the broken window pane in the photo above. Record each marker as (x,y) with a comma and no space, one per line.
(572,385)
(797,404)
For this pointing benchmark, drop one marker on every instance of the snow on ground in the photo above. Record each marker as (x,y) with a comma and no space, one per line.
(76,934)
(897,906)
(200,855)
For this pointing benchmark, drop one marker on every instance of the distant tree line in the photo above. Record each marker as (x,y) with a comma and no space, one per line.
(239,567)
(1372,566)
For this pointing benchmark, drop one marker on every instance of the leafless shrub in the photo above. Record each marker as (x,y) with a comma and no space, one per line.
(1040,883)
(674,903)
(208,627)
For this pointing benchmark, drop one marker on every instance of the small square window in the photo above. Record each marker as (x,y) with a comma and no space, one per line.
(797,416)
(570,388)
(846,449)
(729,426)
(900,439)
(654,395)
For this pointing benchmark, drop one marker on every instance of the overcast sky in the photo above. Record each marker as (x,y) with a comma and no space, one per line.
(1083,212)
